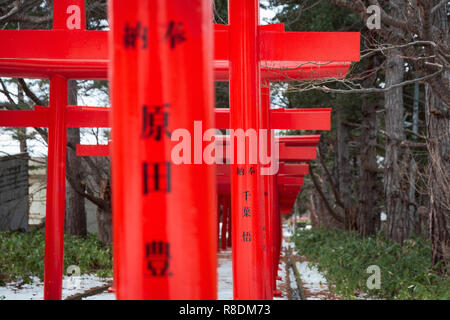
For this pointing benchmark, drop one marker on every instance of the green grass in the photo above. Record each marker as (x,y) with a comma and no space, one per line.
(406,272)
(22,255)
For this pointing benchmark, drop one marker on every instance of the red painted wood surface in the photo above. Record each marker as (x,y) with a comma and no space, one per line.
(164,240)
(256,52)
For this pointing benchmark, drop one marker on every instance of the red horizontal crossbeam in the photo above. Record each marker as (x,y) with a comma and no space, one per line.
(287,154)
(293,169)
(289,70)
(289,189)
(97,69)
(88,117)
(288,180)
(290,141)
(38,117)
(316,46)
(300,140)
(93,45)
(287,119)
(307,119)
(93,150)
(76,117)
(297,154)
(54,45)
(92,117)
(83,54)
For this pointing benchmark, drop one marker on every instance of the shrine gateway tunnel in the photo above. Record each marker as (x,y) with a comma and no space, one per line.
(162,58)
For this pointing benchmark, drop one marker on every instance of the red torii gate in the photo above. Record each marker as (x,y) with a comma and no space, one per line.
(82,54)
(289,181)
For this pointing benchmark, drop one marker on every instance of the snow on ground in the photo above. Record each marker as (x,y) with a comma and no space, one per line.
(282,284)
(313,281)
(225,283)
(35,290)
(225,275)
(102,296)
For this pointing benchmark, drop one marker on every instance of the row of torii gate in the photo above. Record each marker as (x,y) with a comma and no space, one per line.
(162,58)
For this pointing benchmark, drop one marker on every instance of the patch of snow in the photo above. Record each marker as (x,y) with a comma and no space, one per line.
(71,286)
(225,276)
(293,283)
(102,296)
(35,290)
(312,279)
(287,233)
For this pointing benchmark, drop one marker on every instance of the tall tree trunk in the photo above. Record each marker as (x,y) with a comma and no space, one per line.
(438,142)
(327,217)
(396,185)
(75,209)
(344,170)
(104,217)
(368,214)
(413,165)
(322,218)
(312,210)
(21,132)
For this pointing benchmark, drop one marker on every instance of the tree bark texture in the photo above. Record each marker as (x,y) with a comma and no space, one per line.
(75,209)
(396,184)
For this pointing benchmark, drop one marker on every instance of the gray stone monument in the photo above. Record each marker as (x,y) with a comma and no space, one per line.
(14,206)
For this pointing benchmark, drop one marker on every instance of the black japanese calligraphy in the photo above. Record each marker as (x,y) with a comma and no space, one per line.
(131,35)
(157,255)
(156,177)
(246,237)
(155,121)
(175,34)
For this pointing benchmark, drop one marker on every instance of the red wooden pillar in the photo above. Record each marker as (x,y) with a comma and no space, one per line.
(277,240)
(245,109)
(275,231)
(67,14)
(224,222)
(162,80)
(56,190)
(266,182)
(229,221)
(280,234)
(218,221)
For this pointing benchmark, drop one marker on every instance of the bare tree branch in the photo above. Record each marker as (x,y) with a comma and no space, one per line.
(30,93)
(436,7)
(330,210)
